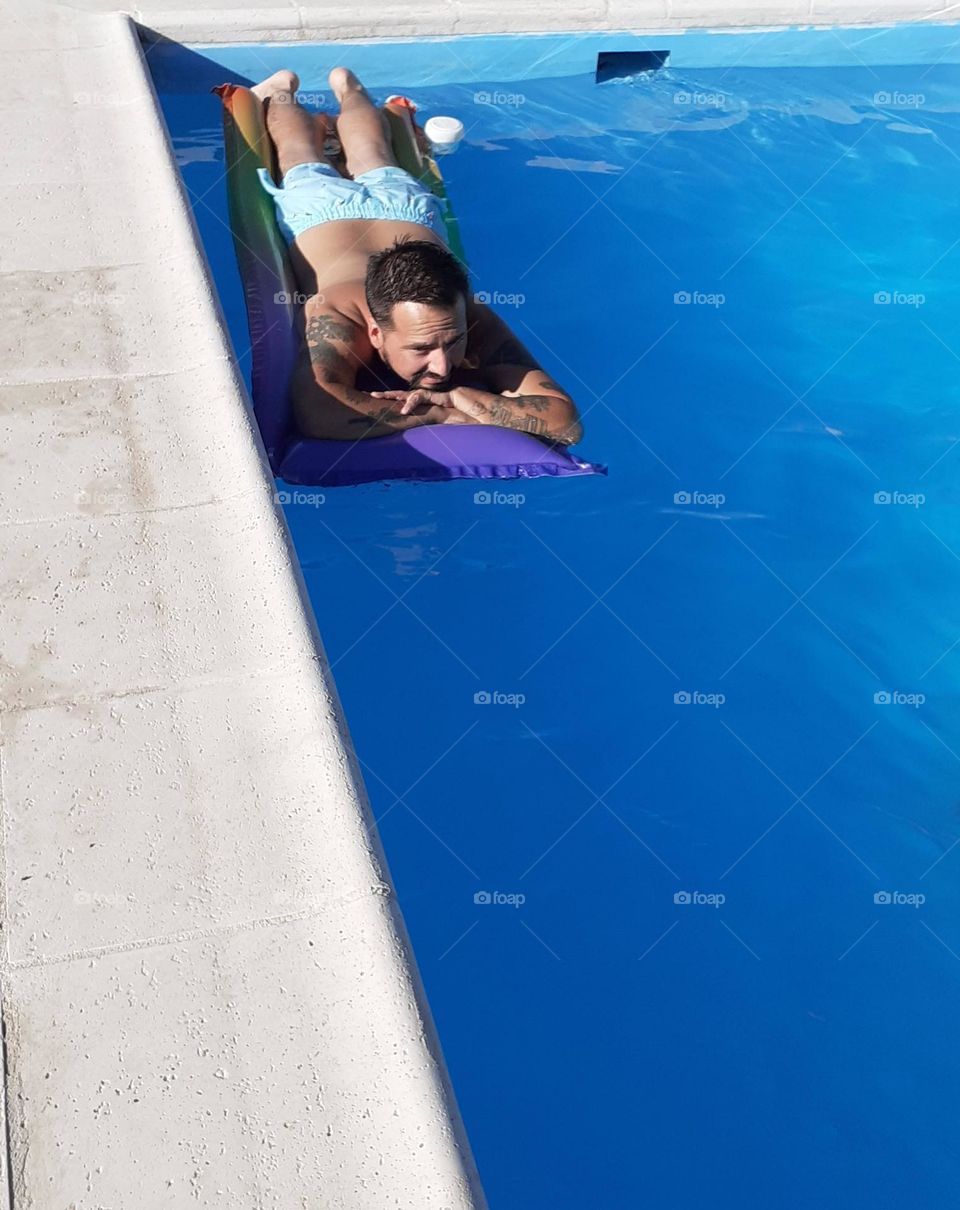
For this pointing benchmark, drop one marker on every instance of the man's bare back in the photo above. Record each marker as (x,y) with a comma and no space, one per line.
(336,254)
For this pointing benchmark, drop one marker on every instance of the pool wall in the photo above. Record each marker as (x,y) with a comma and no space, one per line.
(207,990)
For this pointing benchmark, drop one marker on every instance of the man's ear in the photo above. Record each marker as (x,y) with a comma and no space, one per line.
(376,336)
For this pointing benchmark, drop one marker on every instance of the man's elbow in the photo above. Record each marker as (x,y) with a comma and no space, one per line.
(570,430)
(324,419)
(320,428)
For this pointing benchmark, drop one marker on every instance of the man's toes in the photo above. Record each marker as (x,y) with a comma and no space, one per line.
(280,84)
(341,79)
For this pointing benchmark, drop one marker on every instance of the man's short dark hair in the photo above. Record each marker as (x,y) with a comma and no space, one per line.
(412,270)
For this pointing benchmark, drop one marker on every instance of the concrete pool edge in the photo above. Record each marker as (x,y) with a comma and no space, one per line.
(279,21)
(203,851)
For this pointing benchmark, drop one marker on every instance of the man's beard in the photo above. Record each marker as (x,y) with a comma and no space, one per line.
(417,379)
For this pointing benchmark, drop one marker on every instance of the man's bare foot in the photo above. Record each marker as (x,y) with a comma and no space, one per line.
(341,80)
(350,92)
(282,85)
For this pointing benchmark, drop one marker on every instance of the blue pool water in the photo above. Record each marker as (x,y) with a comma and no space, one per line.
(727,673)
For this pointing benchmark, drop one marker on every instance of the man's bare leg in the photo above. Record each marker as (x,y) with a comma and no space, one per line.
(298,136)
(294,130)
(361,127)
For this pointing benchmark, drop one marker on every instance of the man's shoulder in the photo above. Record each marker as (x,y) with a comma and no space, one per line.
(336,343)
(492,341)
(338,315)
(344,301)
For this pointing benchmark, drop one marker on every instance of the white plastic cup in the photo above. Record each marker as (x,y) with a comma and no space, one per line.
(444,134)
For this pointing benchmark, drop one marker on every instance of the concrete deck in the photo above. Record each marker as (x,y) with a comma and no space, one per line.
(207,993)
(208,997)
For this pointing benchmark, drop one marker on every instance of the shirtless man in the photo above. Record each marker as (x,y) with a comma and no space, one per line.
(387,302)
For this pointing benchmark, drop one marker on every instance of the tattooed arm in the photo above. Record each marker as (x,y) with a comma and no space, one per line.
(326,402)
(521,395)
(540,408)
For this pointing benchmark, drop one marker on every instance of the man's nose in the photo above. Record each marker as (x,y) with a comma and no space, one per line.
(439,364)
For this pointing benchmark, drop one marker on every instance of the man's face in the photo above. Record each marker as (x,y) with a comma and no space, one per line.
(425,344)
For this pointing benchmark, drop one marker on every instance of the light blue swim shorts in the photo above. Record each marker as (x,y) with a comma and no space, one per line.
(312,194)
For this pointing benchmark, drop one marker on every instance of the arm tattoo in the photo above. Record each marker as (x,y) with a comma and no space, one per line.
(539,403)
(328,327)
(512,353)
(507,418)
(320,333)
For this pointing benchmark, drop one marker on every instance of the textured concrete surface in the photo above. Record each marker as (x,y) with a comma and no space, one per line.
(285,20)
(208,996)
(207,993)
